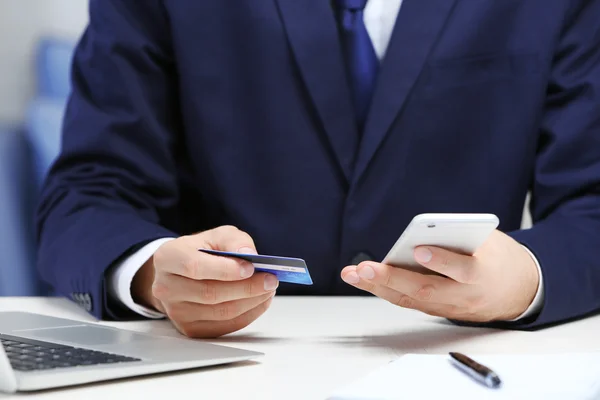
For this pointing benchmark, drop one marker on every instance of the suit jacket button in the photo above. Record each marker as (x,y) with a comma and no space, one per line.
(87,302)
(360,257)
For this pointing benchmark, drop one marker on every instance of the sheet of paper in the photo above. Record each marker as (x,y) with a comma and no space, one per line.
(531,377)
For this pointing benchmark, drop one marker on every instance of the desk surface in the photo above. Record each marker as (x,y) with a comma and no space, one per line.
(312,345)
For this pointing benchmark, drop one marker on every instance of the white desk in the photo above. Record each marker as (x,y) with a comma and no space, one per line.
(312,346)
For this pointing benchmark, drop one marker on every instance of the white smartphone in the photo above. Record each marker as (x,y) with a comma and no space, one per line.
(461,233)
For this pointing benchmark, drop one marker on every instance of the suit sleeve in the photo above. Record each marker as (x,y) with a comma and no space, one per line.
(114,181)
(565,205)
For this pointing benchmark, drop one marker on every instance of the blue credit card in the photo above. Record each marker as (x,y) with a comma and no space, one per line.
(286,269)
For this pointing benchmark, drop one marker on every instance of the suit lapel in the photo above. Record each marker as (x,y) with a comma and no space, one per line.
(312,32)
(418,25)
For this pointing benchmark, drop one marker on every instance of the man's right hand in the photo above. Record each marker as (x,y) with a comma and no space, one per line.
(205,295)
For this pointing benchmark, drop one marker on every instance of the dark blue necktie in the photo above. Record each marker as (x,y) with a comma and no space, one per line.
(361,61)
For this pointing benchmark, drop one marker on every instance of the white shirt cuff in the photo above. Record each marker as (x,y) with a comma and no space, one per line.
(538,300)
(120,278)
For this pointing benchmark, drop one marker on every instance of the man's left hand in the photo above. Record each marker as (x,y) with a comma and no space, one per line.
(497,283)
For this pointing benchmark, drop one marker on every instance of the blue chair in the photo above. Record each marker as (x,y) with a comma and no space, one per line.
(17,253)
(46,111)
(43,129)
(53,65)
(26,154)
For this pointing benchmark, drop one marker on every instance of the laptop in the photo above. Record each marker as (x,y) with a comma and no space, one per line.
(41,352)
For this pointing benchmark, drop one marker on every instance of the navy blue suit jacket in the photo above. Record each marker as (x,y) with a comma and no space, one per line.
(187,115)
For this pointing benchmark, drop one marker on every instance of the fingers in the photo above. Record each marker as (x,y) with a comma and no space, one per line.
(170,288)
(418,286)
(405,301)
(349,275)
(459,267)
(395,297)
(216,328)
(425,288)
(178,259)
(185,312)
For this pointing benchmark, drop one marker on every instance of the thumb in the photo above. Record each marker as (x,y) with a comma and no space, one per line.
(230,238)
(461,268)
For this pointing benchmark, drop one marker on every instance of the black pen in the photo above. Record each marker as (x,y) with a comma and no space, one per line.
(480,373)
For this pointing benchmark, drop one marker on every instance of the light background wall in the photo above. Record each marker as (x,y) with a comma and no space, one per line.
(22,23)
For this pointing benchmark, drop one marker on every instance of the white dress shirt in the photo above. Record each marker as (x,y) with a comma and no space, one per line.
(380,18)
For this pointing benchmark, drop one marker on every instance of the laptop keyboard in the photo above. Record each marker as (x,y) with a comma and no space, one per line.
(32,355)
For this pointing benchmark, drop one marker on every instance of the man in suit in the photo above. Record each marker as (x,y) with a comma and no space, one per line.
(319,129)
